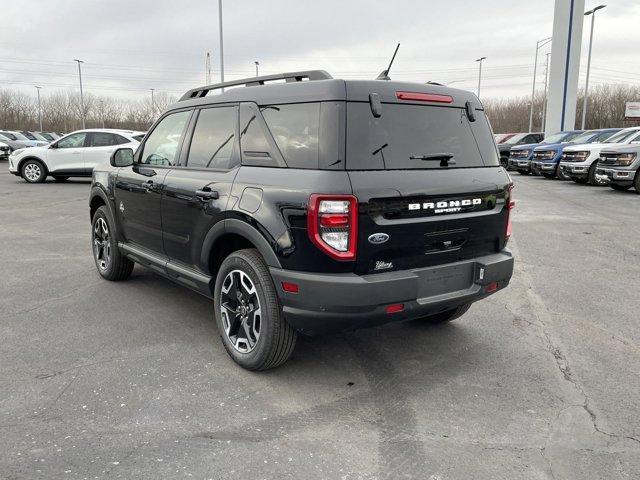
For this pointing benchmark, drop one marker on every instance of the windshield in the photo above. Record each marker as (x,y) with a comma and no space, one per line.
(591,136)
(29,135)
(561,137)
(37,136)
(46,136)
(622,136)
(417,137)
(503,137)
(19,136)
(514,139)
(9,136)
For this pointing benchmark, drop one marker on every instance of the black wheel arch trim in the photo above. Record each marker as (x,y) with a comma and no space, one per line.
(238,227)
(99,192)
(22,160)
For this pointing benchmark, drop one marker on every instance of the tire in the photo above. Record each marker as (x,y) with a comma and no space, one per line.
(33,171)
(636,182)
(446,316)
(591,177)
(110,262)
(273,341)
(504,161)
(560,175)
(620,188)
(59,178)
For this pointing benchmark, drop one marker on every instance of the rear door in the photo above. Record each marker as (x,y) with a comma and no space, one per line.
(197,191)
(139,187)
(428,182)
(100,147)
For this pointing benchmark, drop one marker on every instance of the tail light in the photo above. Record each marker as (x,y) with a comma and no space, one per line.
(332,224)
(511,203)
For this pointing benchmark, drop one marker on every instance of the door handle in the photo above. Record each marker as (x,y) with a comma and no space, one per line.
(148,185)
(207,194)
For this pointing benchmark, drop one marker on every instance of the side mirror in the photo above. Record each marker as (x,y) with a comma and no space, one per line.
(122,157)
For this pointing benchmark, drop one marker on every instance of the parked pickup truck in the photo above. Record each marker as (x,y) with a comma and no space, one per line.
(620,165)
(579,162)
(521,157)
(506,144)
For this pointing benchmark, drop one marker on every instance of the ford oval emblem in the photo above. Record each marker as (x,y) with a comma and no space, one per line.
(378,238)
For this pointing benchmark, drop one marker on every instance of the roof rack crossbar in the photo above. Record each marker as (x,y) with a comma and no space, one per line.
(254,81)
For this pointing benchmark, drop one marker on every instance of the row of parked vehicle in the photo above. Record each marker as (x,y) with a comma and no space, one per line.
(71,155)
(608,156)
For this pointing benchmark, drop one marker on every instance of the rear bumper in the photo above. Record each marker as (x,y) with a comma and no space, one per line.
(329,302)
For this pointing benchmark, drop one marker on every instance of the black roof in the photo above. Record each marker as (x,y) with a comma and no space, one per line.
(315,86)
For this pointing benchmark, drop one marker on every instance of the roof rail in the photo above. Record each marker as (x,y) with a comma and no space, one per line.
(253,81)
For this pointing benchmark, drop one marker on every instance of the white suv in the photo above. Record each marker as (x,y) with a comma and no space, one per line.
(73,155)
(579,161)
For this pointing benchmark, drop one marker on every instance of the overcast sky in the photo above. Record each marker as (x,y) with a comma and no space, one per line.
(130,46)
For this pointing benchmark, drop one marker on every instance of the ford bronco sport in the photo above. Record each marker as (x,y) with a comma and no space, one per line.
(303,203)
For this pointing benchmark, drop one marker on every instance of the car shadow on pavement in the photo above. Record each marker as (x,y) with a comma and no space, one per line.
(408,343)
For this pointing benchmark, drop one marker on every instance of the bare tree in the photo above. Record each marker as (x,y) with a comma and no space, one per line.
(605,108)
(61,111)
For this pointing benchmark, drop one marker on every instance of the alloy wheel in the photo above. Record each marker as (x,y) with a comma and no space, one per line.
(101,244)
(32,171)
(240,311)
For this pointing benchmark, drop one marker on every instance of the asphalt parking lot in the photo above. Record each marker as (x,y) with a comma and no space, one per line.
(130,380)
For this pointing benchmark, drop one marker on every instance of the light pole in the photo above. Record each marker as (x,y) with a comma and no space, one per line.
(539,45)
(257,63)
(39,108)
(480,60)
(221,43)
(81,97)
(153,102)
(586,85)
(544,104)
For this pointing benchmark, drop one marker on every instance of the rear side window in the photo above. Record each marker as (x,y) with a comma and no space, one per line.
(213,139)
(405,131)
(257,150)
(295,129)
(104,139)
(161,148)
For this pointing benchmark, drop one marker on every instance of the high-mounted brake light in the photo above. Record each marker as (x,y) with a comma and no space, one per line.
(332,224)
(424,97)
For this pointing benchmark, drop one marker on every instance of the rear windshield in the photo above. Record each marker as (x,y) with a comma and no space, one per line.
(419,131)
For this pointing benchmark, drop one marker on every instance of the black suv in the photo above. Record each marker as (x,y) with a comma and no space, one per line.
(303,203)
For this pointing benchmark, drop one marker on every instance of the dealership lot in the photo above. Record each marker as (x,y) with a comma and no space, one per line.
(129,380)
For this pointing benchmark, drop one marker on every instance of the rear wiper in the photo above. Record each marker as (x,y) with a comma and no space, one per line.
(445,159)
